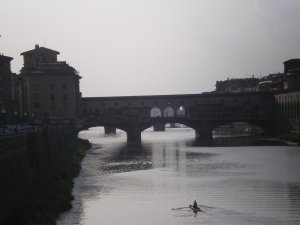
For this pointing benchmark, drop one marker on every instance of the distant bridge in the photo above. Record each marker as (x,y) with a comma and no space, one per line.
(202,112)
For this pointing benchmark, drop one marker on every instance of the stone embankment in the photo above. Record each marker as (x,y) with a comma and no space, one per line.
(36,175)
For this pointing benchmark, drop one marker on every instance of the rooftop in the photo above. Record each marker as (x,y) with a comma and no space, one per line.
(37,47)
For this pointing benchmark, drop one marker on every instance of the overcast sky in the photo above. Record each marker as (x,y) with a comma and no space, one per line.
(151,47)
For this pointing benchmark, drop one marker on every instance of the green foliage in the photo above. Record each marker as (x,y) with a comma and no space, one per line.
(291,137)
(52,191)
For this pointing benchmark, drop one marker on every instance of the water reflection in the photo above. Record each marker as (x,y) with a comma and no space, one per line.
(294,196)
(230,141)
(142,183)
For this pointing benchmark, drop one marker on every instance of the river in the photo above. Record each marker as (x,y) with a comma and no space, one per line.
(251,182)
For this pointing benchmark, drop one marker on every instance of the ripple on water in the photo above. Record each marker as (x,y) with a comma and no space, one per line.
(251,185)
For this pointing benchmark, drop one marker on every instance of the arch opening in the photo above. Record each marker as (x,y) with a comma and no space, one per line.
(169,112)
(155,112)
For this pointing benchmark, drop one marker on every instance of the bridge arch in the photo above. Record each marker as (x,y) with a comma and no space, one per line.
(155,112)
(169,112)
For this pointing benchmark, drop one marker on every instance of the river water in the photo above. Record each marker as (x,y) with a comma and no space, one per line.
(153,184)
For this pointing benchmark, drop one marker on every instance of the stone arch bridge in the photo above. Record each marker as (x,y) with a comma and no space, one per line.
(202,112)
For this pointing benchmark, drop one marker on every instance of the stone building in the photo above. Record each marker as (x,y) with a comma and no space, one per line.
(5,88)
(237,85)
(288,106)
(49,88)
(288,100)
(273,82)
(292,71)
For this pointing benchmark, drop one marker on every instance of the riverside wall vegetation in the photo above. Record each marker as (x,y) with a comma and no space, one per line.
(36,175)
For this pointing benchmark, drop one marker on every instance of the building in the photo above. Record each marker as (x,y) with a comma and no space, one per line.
(292,71)
(277,82)
(5,89)
(49,88)
(288,100)
(237,85)
(288,80)
(273,82)
(291,65)
(288,106)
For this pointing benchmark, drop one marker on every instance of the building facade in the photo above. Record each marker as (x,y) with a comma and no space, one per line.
(292,71)
(5,89)
(49,88)
(288,106)
(288,100)
(237,85)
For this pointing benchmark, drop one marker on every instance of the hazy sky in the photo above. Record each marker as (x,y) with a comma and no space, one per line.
(145,47)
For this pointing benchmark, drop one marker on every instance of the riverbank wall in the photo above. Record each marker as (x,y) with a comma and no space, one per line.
(35,162)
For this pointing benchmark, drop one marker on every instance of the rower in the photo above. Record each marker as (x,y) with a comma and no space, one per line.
(195,205)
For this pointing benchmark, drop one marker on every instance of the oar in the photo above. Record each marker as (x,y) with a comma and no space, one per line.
(181,208)
(207,206)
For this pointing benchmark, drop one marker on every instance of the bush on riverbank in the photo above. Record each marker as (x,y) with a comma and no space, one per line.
(291,137)
(51,193)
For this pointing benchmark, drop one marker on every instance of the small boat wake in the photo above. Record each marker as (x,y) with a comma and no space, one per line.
(190,210)
(214,215)
(190,207)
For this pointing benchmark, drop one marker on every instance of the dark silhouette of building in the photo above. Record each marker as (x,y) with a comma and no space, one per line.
(288,80)
(237,85)
(292,65)
(273,82)
(49,88)
(5,88)
(292,71)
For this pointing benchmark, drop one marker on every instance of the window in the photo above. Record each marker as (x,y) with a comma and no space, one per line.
(52,86)
(65,86)
(52,97)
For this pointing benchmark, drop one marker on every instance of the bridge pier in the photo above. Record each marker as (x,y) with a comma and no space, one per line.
(134,134)
(204,136)
(109,130)
(159,127)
